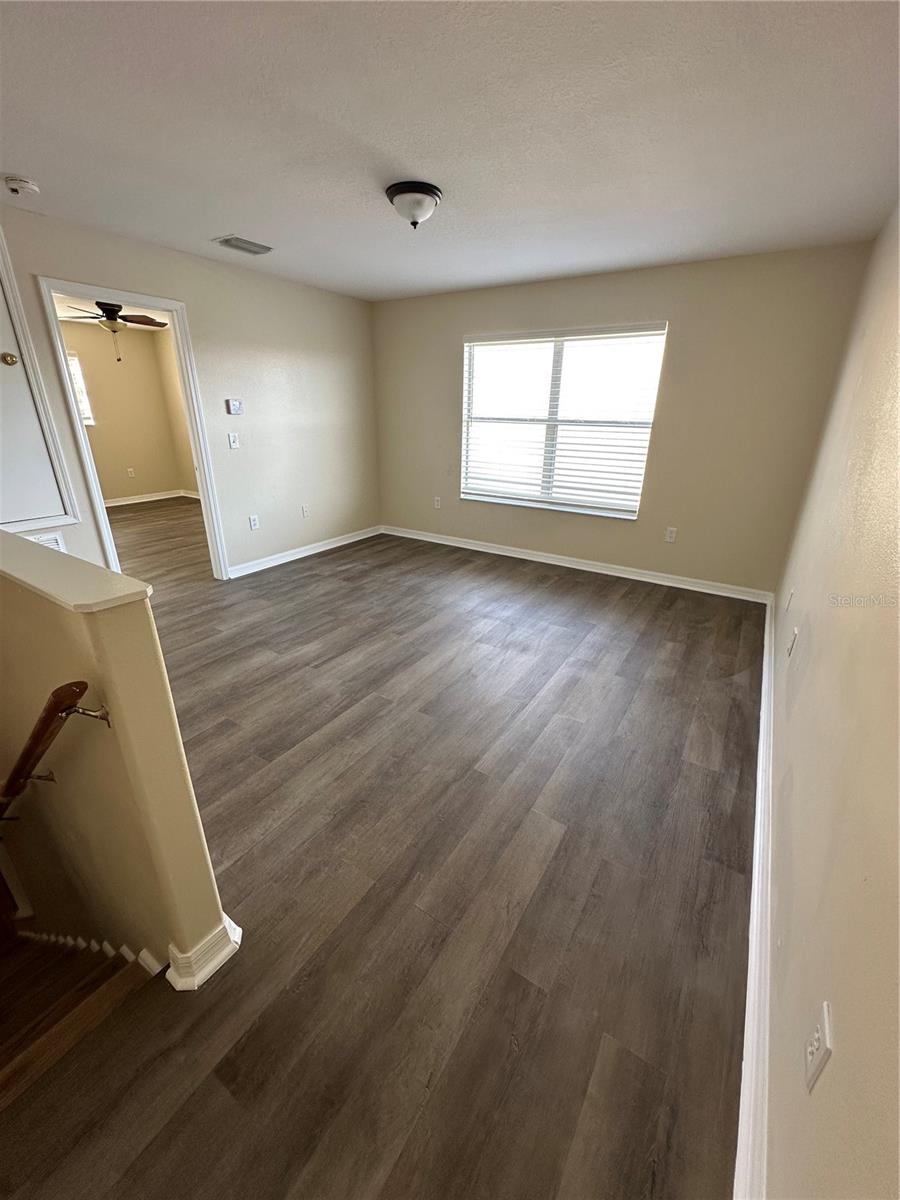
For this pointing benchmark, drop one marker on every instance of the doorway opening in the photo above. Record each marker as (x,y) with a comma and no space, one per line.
(128,373)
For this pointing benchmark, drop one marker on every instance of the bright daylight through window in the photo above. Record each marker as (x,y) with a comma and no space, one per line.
(81,392)
(561,421)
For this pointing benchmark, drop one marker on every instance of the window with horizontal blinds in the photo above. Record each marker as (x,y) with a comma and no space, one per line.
(561,421)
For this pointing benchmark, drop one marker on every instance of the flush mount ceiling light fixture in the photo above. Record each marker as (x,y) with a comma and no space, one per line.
(414,201)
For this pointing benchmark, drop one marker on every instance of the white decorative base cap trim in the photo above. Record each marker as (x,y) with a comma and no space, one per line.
(149,963)
(191,969)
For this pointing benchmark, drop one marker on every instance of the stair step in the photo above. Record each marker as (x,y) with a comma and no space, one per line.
(93,1000)
(17,958)
(42,980)
(49,1008)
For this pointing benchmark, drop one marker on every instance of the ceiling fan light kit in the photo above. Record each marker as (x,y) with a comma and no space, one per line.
(414,200)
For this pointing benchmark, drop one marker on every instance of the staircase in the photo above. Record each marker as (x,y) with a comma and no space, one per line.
(51,995)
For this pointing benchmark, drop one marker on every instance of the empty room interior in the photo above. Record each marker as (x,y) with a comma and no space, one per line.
(449,600)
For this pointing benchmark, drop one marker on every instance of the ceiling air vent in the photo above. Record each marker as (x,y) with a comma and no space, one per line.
(233,242)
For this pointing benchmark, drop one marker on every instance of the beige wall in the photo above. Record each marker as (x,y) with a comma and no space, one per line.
(120,829)
(167,362)
(753,347)
(299,357)
(835,787)
(132,410)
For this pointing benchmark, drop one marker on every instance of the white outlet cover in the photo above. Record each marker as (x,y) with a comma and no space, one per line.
(254,521)
(304,510)
(234,441)
(818,1047)
(671,533)
(437,502)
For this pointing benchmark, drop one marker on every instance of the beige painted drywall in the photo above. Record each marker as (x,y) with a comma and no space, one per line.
(300,358)
(132,412)
(835,786)
(120,829)
(753,347)
(167,361)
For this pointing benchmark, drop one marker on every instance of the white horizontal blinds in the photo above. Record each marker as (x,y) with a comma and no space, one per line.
(561,421)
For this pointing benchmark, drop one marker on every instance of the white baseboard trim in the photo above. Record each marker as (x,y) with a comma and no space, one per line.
(145,958)
(148,496)
(151,965)
(190,969)
(750,1163)
(275,560)
(586,564)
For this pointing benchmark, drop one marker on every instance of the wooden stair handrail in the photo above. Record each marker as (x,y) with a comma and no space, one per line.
(61,703)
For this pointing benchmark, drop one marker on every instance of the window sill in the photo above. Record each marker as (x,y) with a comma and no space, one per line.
(565,508)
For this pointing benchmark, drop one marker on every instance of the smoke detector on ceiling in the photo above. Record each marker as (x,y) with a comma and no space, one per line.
(16,185)
(233,242)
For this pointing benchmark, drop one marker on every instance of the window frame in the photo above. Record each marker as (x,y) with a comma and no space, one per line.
(551,421)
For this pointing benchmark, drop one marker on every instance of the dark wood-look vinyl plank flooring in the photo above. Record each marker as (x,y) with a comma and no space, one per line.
(487,826)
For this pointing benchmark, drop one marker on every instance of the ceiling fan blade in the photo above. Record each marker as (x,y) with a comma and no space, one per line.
(96,317)
(75,308)
(142,319)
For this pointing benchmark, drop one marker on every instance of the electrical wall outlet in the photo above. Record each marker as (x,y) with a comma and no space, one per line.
(437,502)
(304,510)
(130,471)
(254,521)
(818,1047)
(234,408)
(671,533)
(234,441)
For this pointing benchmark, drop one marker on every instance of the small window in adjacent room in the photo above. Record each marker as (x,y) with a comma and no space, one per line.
(561,421)
(81,394)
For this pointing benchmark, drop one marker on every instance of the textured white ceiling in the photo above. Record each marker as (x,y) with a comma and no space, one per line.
(568,138)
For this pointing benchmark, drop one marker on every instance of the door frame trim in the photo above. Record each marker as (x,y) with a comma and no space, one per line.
(190,385)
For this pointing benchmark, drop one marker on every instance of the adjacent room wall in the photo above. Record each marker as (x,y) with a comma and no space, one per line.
(754,344)
(132,412)
(300,359)
(167,361)
(835,786)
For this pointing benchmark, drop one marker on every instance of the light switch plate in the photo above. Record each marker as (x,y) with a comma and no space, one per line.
(234,441)
(234,408)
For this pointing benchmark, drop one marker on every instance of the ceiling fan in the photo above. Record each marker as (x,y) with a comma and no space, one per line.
(111,317)
(112,313)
